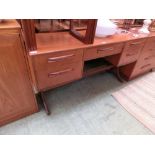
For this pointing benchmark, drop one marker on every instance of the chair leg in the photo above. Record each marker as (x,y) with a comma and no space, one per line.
(45,103)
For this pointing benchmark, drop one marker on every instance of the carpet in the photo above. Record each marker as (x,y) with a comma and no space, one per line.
(138,99)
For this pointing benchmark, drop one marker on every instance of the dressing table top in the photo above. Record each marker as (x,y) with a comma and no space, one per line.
(51,42)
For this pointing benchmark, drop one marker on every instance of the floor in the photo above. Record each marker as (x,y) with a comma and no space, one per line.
(83,107)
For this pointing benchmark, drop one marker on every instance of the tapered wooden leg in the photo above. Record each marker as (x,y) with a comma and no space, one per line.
(45,103)
(119,77)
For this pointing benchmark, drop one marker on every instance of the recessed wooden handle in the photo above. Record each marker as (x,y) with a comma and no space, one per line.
(150,49)
(60,72)
(145,66)
(54,59)
(131,54)
(106,49)
(136,43)
(149,57)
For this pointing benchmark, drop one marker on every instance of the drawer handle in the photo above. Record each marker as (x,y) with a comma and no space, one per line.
(105,49)
(149,57)
(150,49)
(131,54)
(145,66)
(60,58)
(136,43)
(60,72)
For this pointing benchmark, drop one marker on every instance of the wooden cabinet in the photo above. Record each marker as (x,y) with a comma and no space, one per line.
(16,95)
(57,68)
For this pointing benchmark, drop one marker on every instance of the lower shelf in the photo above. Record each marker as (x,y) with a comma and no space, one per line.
(92,67)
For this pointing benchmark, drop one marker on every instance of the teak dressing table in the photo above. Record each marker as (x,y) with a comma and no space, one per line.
(58,58)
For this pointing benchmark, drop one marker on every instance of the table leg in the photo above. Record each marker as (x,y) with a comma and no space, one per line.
(45,103)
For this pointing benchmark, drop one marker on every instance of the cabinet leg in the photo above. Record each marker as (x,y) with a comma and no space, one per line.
(45,103)
(119,77)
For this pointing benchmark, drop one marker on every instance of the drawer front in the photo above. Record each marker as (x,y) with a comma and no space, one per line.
(142,69)
(131,51)
(147,58)
(102,51)
(142,66)
(150,44)
(55,75)
(148,54)
(57,59)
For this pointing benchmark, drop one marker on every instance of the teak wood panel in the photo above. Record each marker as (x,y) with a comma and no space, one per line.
(55,69)
(102,51)
(16,95)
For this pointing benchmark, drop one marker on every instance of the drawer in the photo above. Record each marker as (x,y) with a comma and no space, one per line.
(148,54)
(59,58)
(131,51)
(102,51)
(54,76)
(141,69)
(147,58)
(150,44)
(57,68)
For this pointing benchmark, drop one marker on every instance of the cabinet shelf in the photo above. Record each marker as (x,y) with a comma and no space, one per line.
(92,67)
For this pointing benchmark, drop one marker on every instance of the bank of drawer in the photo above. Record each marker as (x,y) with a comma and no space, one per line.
(102,51)
(131,51)
(56,75)
(59,58)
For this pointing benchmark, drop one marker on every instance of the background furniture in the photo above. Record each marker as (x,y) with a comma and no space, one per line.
(17,98)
